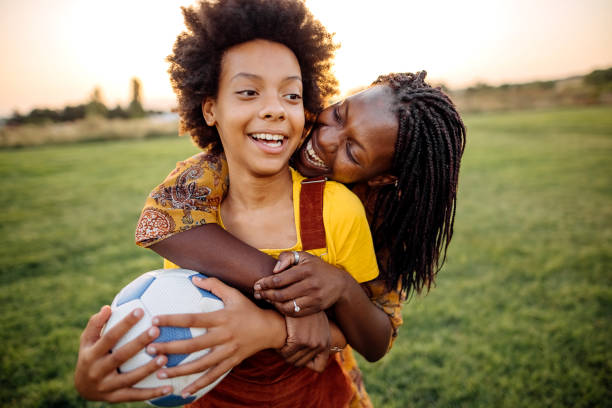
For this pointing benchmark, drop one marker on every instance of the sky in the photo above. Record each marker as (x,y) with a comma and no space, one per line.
(55,52)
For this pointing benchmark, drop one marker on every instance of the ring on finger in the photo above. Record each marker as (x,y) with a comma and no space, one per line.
(296,308)
(296,257)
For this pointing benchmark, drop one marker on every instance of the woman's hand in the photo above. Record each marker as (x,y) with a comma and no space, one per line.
(234,333)
(308,341)
(96,376)
(309,287)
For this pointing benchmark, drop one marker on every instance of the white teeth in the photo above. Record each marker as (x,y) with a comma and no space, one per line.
(267,136)
(312,156)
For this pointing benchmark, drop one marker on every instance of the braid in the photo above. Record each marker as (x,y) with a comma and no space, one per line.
(413,222)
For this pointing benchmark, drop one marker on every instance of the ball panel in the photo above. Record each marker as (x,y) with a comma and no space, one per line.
(170,333)
(171,295)
(134,289)
(171,401)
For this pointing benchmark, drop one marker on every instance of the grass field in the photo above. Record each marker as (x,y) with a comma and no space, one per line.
(521,315)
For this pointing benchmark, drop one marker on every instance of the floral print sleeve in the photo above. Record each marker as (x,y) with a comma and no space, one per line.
(389,302)
(188,197)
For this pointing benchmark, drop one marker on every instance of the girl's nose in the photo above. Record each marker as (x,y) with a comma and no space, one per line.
(272,109)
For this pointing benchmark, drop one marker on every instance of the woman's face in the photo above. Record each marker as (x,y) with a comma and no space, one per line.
(352,140)
(258,110)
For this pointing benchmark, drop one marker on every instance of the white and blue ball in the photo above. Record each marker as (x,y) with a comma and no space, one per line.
(164,291)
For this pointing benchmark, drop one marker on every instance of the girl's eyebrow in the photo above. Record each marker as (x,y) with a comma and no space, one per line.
(259,78)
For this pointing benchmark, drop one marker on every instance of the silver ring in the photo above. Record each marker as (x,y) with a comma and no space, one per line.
(296,257)
(296,308)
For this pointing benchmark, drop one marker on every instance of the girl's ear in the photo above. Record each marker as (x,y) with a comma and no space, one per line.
(208,110)
(382,180)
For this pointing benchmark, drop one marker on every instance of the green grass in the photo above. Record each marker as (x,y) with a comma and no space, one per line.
(521,315)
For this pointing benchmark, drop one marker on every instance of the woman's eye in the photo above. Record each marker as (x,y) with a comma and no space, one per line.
(349,153)
(337,115)
(247,92)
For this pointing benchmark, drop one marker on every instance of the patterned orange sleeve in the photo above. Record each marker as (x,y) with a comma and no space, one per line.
(389,301)
(188,197)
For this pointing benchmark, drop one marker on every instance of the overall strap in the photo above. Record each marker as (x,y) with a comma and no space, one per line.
(311,213)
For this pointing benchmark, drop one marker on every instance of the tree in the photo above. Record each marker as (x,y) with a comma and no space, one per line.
(135,109)
(95,106)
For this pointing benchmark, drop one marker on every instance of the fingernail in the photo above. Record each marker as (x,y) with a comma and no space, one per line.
(152,332)
(186,395)
(276,266)
(155,320)
(160,362)
(151,350)
(257,295)
(162,375)
(137,313)
(197,278)
(257,286)
(167,390)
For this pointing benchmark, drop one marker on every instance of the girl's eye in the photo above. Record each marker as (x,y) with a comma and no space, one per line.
(247,92)
(349,153)
(293,97)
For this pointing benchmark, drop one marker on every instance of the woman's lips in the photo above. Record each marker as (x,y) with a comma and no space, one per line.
(312,157)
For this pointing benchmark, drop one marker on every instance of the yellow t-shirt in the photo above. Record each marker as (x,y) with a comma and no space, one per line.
(349,242)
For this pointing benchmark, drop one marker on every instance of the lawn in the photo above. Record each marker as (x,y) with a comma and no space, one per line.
(521,315)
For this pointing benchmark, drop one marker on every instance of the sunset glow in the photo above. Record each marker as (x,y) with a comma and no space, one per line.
(54,53)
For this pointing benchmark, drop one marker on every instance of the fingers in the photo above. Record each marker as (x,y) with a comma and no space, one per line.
(127,380)
(124,353)
(280,280)
(319,363)
(214,357)
(190,319)
(285,260)
(221,290)
(288,308)
(210,339)
(138,394)
(208,378)
(111,337)
(94,326)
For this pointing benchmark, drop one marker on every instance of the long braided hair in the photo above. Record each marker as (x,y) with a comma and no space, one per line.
(413,220)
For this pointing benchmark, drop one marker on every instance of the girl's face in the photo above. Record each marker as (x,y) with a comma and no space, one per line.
(258,109)
(353,140)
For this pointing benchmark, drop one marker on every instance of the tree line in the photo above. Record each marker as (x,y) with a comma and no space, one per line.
(93,107)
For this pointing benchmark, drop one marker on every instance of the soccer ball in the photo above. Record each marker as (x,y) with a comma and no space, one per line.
(164,291)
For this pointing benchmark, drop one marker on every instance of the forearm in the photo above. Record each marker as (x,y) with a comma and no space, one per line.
(211,250)
(366,327)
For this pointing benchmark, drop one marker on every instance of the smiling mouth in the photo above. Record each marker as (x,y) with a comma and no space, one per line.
(269,139)
(312,157)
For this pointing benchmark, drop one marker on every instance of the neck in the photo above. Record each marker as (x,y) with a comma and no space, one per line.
(250,192)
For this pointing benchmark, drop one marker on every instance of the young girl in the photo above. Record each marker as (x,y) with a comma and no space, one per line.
(251,100)
(399,143)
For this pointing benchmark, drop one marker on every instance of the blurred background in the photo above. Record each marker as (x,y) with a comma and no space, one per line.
(522,312)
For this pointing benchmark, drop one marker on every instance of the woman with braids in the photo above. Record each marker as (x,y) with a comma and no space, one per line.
(398,145)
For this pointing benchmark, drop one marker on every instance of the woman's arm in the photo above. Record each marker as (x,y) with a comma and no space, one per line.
(319,286)
(211,250)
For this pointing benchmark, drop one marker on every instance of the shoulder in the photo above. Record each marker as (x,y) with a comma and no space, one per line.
(338,199)
(198,165)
